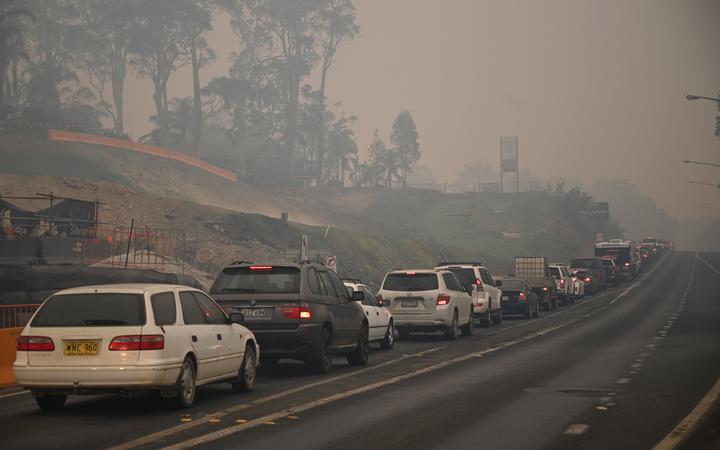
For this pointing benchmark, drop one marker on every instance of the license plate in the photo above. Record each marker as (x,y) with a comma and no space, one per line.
(81,348)
(409,303)
(255,313)
(506,297)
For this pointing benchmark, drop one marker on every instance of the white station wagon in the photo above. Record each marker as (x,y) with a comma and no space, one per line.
(129,338)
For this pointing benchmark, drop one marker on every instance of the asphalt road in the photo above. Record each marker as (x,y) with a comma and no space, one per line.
(617,370)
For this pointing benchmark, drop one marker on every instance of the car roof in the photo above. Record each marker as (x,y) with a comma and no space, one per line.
(125,288)
(416,271)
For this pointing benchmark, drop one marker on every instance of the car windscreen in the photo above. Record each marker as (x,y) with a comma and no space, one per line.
(554,272)
(512,285)
(466,276)
(95,309)
(411,282)
(258,280)
(584,263)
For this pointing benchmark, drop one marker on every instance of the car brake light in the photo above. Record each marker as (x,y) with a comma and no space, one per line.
(586,279)
(627,264)
(380,300)
(545,288)
(443,299)
(35,344)
(478,282)
(522,296)
(562,282)
(261,268)
(296,312)
(137,342)
(409,274)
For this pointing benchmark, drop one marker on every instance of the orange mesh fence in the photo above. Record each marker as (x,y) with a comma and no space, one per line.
(12,316)
(70,136)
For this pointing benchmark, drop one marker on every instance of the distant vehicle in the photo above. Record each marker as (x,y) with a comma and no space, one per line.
(427,300)
(297,311)
(563,282)
(518,298)
(534,269)
(612,271)
(485,292)
(380,320)
(578,284)
(626,258)
(596,273)
(127,338)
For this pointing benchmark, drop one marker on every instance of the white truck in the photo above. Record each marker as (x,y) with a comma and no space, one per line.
(623,252)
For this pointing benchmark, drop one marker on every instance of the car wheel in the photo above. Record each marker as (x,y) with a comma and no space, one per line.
(467,330)
(529,314)
(488,319)
(247,372)
(389,341)
(537,310)
(360,356)
(499,317)
(51,402)
(186,385)
(321,361)
(453,332)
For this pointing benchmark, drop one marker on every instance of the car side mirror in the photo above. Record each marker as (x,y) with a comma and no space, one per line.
(498,283)
(358,296)
(237,317)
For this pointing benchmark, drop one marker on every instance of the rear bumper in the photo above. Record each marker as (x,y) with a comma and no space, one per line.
(289,343)
(424,322)
(111,378)
(514,308)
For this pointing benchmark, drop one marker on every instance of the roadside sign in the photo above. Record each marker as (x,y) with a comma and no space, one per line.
(304,248)
(599,237)
(599,210)
(331,263)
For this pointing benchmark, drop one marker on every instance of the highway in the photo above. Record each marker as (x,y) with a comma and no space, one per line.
(617,370)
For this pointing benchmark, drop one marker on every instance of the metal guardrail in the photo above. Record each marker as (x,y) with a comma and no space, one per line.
(13,316)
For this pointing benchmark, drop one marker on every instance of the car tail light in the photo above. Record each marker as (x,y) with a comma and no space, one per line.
(545,288)
(627,264)
(296,312)
(478,282)
(443,299)
(409,274)
(35,344)
(562,282)
(137,342)
(380,300)
(261,268)
(586,279)
(522,297)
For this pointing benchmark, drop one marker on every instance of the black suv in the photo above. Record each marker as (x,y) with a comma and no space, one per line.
(297,311)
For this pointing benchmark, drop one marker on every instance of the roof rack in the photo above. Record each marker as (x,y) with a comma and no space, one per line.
(457,263)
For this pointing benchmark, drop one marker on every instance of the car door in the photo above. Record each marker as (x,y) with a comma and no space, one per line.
(332,303)
(231,346)
(460,298)
(348,310)
(376,324)
(493,296)
(202,336)
(165,316)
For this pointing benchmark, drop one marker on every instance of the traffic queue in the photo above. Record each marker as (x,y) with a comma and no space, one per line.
(129,339)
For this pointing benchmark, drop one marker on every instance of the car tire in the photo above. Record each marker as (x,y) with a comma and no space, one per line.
(537,310)
(186,386)
(321,361)
(498,317)
(529,314)
(453,332)
(467,330)
(247,373)
(389,341)
(51,402)
(487,319)
(359,357)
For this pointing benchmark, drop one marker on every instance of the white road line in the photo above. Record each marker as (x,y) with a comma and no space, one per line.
(708,264)
(692,421)
(14,394)
(577,429)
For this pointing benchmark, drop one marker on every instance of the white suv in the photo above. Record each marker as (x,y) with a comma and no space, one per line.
(427,300)
(486,296)
(126,338)
(564,283)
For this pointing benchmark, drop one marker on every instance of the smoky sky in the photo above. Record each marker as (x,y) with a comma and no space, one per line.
(593,88)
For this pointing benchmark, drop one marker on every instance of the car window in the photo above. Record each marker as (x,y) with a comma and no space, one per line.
(554,272)
(192,314)
(164,309)
(485,277)
(96,309)
(451,282)
(466,276)
(258,280)
(212,312)
(370,295)
(410,282)
(339,286)
(313,282)
(327,282)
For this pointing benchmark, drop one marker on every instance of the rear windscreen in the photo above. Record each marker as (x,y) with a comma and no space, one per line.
(466,276)
(262,280)
(510,285)
(99,309)
(411,282)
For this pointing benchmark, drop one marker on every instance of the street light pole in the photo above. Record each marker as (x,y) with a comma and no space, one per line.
(687,161)
(700,97)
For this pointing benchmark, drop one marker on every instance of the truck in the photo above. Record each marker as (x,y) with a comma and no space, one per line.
(535,270)
(624,253)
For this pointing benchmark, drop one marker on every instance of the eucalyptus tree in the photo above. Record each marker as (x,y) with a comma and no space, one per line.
(405,138)
(157,51)
(12,47)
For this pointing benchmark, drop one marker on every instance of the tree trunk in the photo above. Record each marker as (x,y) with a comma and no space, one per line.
(118,92)
(196,130)
(160,99)
(321,125)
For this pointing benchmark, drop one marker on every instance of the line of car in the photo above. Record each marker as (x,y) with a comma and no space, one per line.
(129,339)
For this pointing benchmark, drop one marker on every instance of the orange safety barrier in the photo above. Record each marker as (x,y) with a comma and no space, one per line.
(70,136)
(12,316)
(8,346)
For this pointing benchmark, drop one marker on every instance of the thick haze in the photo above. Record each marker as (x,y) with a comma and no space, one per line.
(593,88)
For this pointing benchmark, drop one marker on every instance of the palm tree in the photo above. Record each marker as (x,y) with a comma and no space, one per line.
(389,165)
